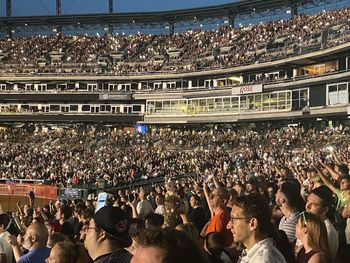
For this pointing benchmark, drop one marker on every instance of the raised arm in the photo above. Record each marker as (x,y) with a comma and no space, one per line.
(333,173)
(207,197)
(326,181)
(336,159)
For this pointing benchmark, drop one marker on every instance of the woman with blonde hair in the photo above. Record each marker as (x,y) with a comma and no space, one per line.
(68,252)
(311,231)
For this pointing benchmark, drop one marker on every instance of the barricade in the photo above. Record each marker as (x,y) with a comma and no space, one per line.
(40,191)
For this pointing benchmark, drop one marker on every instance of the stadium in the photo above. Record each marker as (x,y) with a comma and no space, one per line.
(229,101)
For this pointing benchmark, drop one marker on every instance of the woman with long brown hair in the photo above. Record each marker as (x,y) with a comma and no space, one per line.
(311,231)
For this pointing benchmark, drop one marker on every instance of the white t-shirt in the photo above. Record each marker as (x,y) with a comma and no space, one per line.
(262,252)
(332,235)
(5,247)
(347,231)
(143,208)
(160,210)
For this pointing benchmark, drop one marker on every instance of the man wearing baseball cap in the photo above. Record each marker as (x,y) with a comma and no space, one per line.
(108,235)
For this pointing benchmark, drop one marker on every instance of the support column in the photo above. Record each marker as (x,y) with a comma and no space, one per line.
(58,13)
(58,8)
(110,11)
(8,14)
(231,20)
(8,8)
(171,28)
(293,8)
(110,6)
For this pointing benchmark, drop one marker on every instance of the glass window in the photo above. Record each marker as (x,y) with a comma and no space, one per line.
(332,88)
(73,108)
(150,107)
(166,105)
(211,105)
(235,104)
(136,108)
(288,101)
(273,101)
(266,102)
(243,103)
(183,108)
(251,102)
(304,94)
(282,99)
(192,107)
(174,105)
(55,108)
(258,104)
(159,105)
(343,93)
(338,94)
(219,105)
(203,107)
(227,103)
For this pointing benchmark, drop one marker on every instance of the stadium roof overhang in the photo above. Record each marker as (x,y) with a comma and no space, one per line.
(198,14)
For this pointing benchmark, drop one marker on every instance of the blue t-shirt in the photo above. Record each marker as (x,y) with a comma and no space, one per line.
(37,255)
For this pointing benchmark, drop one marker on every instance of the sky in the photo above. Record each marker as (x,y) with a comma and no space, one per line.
(47,7)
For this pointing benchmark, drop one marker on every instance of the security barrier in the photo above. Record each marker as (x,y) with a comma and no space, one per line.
(40,191)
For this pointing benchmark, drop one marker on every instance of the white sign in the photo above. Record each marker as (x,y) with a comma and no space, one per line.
(247,89)
(114,96)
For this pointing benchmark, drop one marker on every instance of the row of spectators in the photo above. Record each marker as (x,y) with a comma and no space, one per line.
(187,51)
(277,195)
(79,157)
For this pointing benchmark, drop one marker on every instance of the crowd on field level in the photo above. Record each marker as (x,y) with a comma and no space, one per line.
(255,195)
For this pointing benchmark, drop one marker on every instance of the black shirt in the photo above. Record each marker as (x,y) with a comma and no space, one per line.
(197,216)
(121,256)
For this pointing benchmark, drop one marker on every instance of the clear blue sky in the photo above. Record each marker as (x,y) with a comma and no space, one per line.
(47,7)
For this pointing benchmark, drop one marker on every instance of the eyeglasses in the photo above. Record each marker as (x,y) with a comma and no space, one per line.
(304,217)
(233,219)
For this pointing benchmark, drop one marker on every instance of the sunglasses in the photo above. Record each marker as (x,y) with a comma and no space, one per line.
(302,214)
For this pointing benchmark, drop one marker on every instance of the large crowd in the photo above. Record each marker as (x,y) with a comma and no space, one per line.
(187,51)
(224,194)
(73,157)
(252,195)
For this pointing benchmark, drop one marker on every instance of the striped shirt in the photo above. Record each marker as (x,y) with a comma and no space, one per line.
(287,224)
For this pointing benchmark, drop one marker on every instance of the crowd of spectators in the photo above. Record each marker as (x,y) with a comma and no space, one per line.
(253,195)
(77,157)
(187,51)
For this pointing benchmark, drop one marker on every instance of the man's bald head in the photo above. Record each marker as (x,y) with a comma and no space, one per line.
(36,236)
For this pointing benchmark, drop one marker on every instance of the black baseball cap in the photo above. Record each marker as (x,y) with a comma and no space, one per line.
(115,222)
